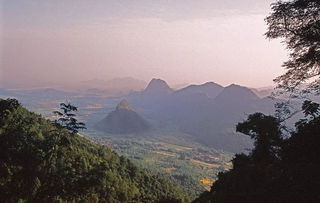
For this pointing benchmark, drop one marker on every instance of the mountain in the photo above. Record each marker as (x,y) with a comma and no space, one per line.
(236,93)
(157,87)
(123,120)
(264,91)
(213,122)
(210,89)
(207,112)
(41,162)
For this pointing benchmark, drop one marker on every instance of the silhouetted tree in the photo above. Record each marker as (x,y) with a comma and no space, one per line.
(310,108)
(282,168)
(67,119)
(298,23)
(265,131)
(277,169)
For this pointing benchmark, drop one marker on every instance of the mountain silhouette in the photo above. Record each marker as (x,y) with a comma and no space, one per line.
(210,89)
(123,120)
(157,87)
(208,112)
(236,93)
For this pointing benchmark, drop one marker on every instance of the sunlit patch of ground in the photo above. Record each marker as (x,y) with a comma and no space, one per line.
(207,183)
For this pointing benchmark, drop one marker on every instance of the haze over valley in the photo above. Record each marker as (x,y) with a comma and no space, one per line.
(159,101)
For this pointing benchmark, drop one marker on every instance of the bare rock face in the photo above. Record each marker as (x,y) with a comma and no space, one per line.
(123,120)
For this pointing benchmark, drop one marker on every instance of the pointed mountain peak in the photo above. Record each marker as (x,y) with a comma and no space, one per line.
(158,85)
(124,104)
(123,120)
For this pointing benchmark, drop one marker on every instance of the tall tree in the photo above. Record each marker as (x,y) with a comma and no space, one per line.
(66,118)
(282,168)
(297,22)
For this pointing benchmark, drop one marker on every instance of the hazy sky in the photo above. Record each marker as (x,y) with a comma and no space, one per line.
(181,41)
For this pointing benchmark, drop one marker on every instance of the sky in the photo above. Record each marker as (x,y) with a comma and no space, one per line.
(47,42)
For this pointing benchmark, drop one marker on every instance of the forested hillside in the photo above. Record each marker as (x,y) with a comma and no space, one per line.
(40,162)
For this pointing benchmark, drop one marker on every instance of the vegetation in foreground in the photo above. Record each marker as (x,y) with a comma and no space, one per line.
(279,169)
(284,164)
(40,162)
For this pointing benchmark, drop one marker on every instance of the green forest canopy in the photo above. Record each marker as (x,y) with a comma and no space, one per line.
(42,163)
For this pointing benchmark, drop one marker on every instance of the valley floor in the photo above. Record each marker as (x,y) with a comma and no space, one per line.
(186,162)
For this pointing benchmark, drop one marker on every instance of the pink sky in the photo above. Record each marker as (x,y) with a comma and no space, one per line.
(197,44)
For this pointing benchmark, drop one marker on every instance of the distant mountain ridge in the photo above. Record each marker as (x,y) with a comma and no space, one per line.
(209,112)
(211,89)
(233,93)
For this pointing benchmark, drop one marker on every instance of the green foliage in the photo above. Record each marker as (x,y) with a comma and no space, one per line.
(285,170)
(42,163)
(157,153)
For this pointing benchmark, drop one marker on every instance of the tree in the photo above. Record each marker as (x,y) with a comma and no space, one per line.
(6,106)
(265,131)
(36,165)
(66,118)
(310,108)
(298,23)
(282,168)
(278,169)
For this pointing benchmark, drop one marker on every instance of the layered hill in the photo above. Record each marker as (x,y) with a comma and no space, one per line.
(44,163)
(123,120)
(210,89)
(209,112)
